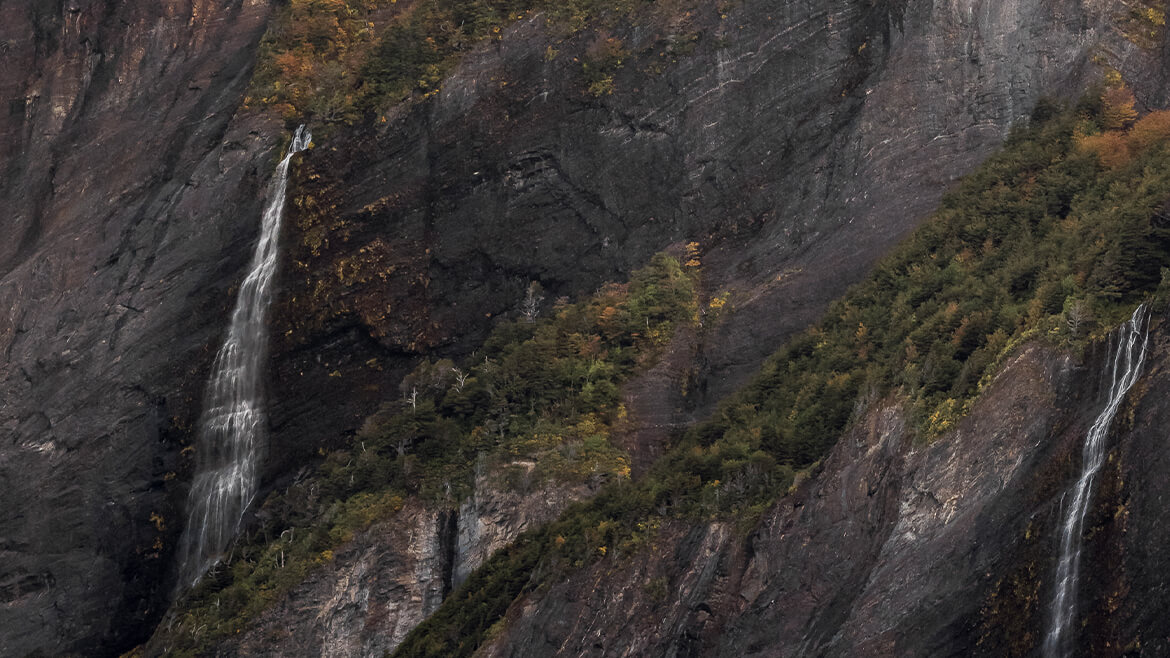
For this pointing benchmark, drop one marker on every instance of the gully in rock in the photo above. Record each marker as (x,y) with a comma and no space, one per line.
(231,432)
(1125,365)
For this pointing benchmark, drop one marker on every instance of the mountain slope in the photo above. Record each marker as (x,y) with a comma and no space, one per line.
(793,176)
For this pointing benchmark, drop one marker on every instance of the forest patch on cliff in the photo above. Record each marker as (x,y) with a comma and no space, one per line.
(1053,239)
(337,60)
(542,391)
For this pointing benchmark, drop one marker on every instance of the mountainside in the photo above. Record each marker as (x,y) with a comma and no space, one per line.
(782,148)
(940,549)
(129,194)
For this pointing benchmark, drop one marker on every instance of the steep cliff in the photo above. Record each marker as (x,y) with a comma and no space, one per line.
(390,577)
(795,142)
(793,177)
(128,194)
(940,549)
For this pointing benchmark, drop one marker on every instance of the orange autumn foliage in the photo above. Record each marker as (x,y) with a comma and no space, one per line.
(1111,147)
(1115,148)
(1124,136)
(1154,128)
(1118,108)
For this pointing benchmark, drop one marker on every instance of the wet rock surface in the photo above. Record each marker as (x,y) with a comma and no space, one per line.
(897,547)
(366,598)
(1126,528)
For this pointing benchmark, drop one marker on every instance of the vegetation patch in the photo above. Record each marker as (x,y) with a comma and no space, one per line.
(335,60)
(543,390)
(1054,239)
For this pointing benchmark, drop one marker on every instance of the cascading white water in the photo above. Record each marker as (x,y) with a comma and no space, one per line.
(1124,361)
(231,429)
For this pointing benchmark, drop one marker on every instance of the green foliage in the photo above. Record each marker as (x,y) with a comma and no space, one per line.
(258,572)
(543,391)
(1055,238)
(603,60)
(310,56)
(1042,232)
(585,533)
(333,59)
(1038,242)
(1144,22)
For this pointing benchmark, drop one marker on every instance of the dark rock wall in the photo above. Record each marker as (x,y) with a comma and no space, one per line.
(897,548)
(129,197)
(794,141)
(385,581)
(796,144)
(1126,589)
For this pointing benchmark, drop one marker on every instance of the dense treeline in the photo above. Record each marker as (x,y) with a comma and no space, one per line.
(1055,238)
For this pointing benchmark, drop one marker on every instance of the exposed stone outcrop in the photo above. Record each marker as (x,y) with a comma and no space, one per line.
(367,598)
(495,514)
(393,575)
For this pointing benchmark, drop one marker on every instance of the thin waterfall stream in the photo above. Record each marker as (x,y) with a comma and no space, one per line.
(1124,361)
(232,428)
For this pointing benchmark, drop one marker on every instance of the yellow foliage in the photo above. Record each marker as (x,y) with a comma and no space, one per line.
(1118,111)
(1154,128)
(1111,148)
(944,417)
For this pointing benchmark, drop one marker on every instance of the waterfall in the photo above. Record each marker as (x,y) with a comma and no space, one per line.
(231,430)
(1124,363)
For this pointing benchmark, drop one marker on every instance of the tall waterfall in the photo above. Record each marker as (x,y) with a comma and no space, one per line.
(1124,362)
(231,430)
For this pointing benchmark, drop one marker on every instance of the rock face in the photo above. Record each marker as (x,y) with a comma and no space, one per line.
(795,142)
(899,548)
(128,192)
(392,576)
(496,513)
(381,585)
(1127,527)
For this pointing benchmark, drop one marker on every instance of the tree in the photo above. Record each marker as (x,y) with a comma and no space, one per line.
(532,300)
(1076,314)
(1118,108)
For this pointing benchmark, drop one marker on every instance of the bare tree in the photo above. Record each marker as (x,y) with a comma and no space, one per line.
(1076,314)
(532,300)
(460,378)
